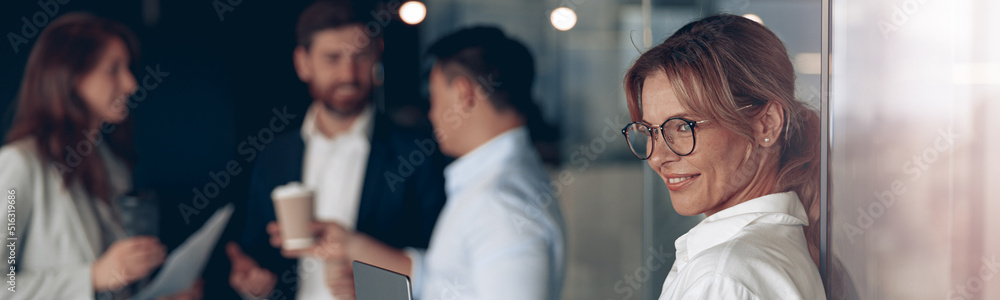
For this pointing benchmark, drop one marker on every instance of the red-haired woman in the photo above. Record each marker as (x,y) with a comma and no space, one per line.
(714,114)
(66,159)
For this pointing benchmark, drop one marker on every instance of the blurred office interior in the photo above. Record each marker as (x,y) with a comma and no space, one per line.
(908,90)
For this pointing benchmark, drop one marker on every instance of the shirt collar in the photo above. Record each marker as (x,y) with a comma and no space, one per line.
(469,168)
(780,208)
(361,126)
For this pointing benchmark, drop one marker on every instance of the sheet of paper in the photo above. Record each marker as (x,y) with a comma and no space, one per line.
(184,265)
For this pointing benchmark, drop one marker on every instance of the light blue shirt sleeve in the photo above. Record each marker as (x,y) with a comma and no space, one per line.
(416,269)
(512,251)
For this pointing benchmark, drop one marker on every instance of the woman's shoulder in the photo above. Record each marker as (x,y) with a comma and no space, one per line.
(763,258)
(20,152)
(20,164)
(762,245)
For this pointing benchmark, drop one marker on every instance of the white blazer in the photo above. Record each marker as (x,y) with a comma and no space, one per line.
(57,232)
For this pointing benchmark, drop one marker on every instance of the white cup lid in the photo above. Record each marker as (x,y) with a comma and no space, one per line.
(292,189)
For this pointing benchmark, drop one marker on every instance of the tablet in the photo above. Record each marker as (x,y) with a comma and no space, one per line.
(374,283)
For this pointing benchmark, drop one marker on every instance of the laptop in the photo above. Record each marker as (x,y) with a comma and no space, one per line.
(374,283)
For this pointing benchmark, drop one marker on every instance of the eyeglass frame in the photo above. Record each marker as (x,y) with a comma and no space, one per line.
(690,123)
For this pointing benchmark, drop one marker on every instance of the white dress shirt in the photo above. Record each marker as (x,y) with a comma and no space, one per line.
(753,250)
(334,167)
(500,234)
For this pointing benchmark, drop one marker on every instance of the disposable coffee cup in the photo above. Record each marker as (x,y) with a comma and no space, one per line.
(140,213)
(293,205)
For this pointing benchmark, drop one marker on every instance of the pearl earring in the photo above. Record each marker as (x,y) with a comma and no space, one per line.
(767,140)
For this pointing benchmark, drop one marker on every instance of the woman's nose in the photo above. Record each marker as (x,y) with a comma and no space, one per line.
(661,152)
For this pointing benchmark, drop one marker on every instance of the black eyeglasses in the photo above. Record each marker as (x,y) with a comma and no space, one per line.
(677,133)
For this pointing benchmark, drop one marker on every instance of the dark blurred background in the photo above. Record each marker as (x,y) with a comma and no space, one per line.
(227,73)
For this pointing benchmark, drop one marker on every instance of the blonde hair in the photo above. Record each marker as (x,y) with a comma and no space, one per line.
(724,62)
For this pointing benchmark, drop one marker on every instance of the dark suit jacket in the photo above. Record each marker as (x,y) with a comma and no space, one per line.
(402,194)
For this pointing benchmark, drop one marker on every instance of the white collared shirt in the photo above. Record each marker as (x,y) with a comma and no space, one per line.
(753,250)
(335,169)
(500,234)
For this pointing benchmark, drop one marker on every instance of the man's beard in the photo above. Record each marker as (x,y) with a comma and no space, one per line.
(346,108)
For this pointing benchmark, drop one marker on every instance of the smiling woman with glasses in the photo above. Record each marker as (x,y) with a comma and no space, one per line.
(741,150)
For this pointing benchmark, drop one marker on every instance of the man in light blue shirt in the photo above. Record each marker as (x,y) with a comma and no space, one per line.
(501,233)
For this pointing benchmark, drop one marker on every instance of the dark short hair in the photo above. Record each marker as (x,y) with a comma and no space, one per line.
(331,14)
(500,65)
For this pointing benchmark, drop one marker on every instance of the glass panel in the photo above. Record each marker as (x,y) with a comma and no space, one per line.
(913,162)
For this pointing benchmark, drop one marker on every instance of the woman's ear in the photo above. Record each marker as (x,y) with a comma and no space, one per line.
(769,125)
(300,58)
